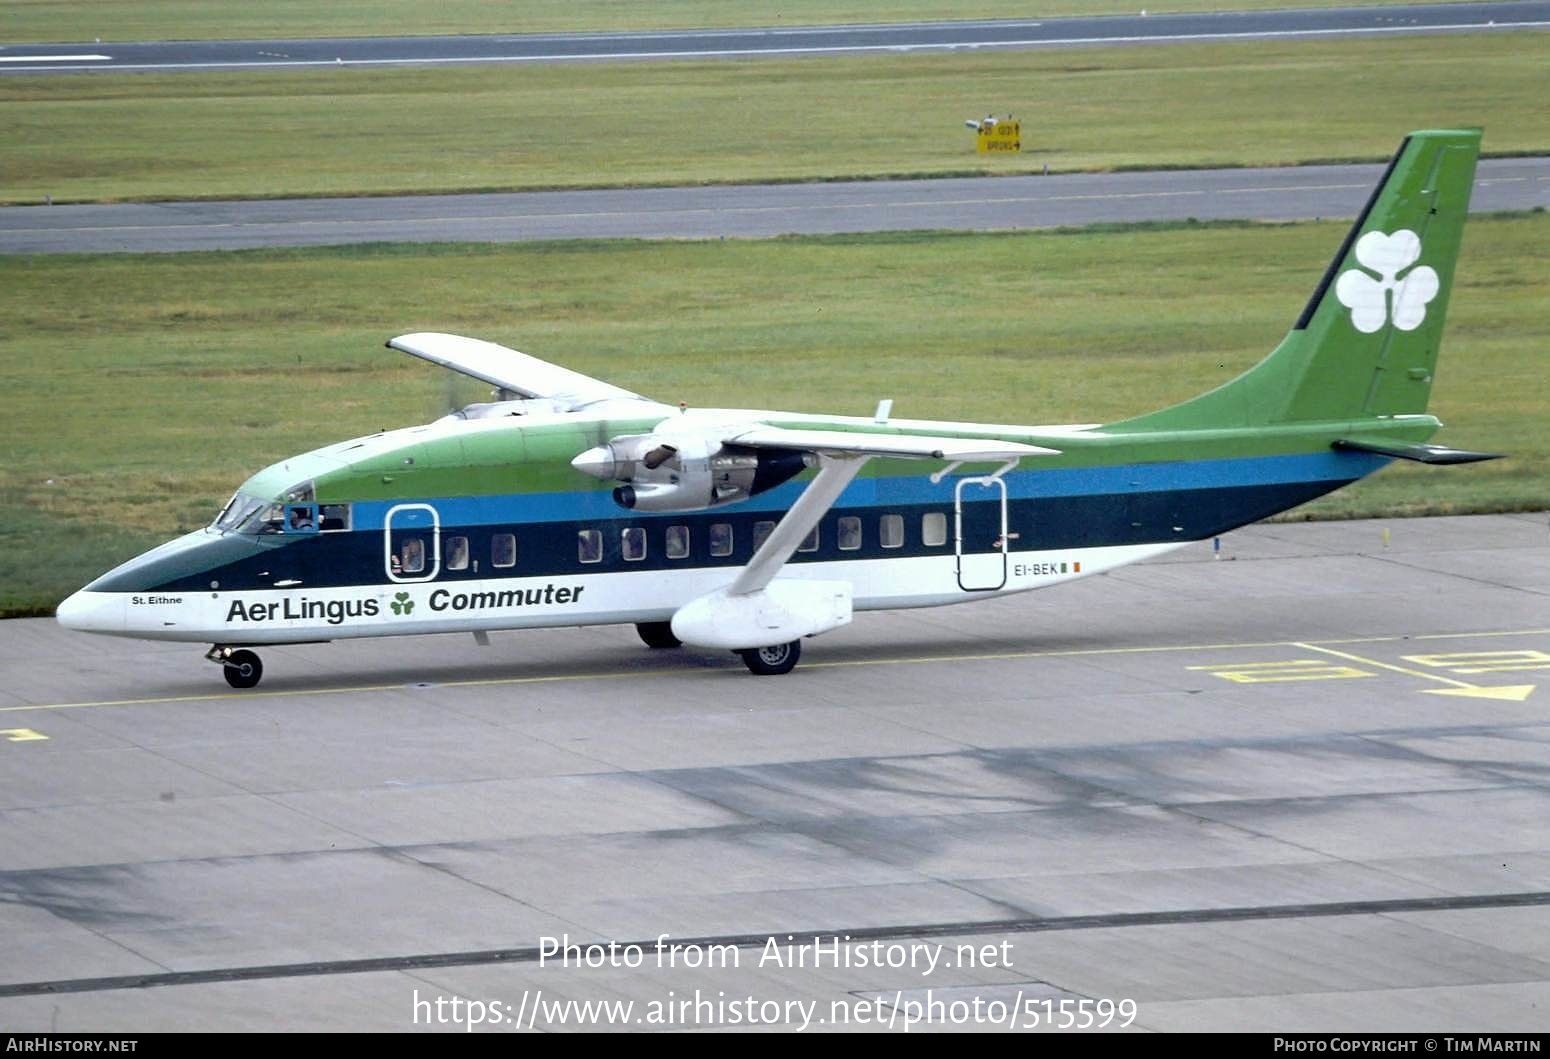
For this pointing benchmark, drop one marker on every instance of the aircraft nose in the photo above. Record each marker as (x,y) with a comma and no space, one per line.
(597,461)
(92,612)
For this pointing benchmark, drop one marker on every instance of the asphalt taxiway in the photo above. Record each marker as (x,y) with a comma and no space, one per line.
(1302,786)
(745,211)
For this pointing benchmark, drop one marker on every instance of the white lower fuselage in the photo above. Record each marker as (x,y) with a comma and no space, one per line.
(297,615)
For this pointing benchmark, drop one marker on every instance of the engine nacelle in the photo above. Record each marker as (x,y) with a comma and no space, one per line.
(687,472)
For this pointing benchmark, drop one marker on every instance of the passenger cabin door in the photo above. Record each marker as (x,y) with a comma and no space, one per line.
(411,543)
(979,533)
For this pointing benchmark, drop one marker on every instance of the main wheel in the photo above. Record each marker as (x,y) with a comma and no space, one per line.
(772,661)
(243,669)
(657,634)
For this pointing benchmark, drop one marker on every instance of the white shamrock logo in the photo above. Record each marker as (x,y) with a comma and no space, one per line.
(1367,298)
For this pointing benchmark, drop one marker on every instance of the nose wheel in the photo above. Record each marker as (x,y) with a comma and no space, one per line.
(240,666)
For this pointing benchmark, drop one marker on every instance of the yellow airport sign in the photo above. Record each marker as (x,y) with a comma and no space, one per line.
(998,136)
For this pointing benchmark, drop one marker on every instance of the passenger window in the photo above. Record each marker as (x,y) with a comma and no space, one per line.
(633,540)
(890,531)
(850,533)
(333,517)
(677,542)
(933,529)
(720,539)
(810,542)
(411,555)
(589,546)
(457,553)
(503,550)
(761,533)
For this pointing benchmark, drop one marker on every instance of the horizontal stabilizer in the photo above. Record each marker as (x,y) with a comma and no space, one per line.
(1401,450)
(907,446)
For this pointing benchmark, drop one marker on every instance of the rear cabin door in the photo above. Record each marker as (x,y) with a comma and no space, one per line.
(979,533)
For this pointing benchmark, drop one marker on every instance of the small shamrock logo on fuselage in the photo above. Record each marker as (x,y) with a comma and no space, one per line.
(1368,298)
(402,604)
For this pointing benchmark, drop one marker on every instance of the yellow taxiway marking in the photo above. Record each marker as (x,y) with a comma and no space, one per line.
(354,689)
(1469,663)
(1281,672)
(21,735)
(1516,693)
(998,656)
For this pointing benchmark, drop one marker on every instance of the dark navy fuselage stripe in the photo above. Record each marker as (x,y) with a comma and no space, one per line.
(549,549)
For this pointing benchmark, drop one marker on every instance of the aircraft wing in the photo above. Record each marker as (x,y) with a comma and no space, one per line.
(841,455)
(842,443)
(510,370)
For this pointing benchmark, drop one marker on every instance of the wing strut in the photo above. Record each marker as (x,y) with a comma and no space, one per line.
(834,474)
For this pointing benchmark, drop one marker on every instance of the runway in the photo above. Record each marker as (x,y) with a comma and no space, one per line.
(902,38)
(1296,193)
(1302,786)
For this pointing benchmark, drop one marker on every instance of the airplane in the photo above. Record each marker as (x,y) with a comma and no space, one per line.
(567,501)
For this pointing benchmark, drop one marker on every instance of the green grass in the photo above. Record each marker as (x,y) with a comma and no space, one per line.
(84,20)
(139,391)
(376,131)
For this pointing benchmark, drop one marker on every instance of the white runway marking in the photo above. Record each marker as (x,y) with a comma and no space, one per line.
(54,58)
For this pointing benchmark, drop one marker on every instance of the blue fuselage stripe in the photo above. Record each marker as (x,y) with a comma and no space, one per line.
(1047,510)
(1179,476)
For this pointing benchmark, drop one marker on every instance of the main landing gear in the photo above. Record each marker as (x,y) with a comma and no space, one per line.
(241,666)
(657,634)
(761,661)
(772,661)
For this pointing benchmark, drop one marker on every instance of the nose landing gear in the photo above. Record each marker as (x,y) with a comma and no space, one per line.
(240,666)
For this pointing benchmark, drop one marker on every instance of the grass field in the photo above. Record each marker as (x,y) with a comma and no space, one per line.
(84,20)
(349,131)
(139,391)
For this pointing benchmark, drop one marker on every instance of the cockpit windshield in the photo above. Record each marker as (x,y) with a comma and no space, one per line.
(238,512)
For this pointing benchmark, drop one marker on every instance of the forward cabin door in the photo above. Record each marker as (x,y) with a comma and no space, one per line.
(411,546)
(980,533)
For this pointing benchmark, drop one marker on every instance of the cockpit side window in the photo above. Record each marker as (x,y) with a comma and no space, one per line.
(333,517)
(301,518)
(270,520)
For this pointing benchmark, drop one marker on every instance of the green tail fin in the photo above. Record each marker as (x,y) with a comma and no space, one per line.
(1366,345)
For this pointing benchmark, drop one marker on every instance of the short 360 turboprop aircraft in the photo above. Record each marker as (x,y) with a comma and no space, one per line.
(568,501)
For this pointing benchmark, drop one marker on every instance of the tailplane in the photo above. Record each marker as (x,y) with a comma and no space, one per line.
(1365,346)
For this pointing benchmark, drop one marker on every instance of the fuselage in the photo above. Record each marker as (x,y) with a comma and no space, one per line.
(484,524)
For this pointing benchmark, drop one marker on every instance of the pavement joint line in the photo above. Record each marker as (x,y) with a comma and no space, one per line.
(838,664)
(970,928)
